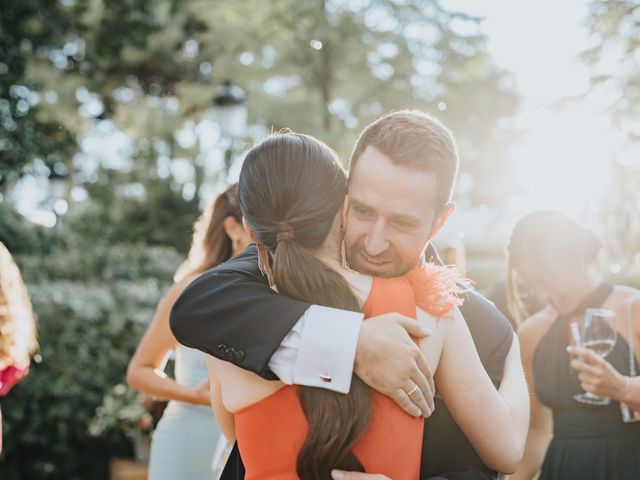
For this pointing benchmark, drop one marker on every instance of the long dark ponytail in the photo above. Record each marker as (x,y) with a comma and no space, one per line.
(291,189)
(210,245)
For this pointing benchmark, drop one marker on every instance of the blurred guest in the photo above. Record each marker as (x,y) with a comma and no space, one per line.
(17,326)
(454,254)
(185,440)
(499,296)
(554,257)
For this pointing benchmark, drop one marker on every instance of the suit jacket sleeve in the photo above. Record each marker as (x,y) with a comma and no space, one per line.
(231,313)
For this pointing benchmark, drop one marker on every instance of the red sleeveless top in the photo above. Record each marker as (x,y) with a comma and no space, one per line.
(271,432)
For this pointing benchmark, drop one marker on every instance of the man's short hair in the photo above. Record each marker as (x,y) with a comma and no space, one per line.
(412,137)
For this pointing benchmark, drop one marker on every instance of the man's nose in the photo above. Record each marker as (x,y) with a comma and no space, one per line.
(376,242)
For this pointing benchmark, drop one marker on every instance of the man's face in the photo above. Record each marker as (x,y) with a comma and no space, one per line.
(391,215)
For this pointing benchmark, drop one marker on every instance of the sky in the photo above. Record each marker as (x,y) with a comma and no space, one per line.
(563,160)
(537,41)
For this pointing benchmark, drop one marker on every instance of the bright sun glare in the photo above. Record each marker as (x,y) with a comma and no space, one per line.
(564,161)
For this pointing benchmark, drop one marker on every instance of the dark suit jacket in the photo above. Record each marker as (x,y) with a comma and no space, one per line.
(231,313)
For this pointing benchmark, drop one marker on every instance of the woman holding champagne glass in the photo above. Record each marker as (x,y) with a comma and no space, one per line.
(578,429)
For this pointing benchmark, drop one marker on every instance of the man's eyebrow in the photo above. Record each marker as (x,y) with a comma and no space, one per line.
(359,203)
(353,202)
(405,218)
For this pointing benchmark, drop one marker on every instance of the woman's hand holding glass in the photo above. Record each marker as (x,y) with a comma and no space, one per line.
(597,376)
(599,337)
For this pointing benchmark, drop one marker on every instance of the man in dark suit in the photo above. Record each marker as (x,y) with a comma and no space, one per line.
(402,173)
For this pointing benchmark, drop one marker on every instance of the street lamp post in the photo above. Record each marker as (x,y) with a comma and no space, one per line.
(230,110)
(230,113)
(58,186)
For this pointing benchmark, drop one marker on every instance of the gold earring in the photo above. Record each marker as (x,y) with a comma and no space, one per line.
(263,263)
(343,256)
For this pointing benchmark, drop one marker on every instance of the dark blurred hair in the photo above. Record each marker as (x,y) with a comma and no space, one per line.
(211,245)
(291,188)
(551,240)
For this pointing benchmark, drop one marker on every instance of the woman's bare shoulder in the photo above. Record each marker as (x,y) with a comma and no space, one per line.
(534,327)
(179,286)
(435,323)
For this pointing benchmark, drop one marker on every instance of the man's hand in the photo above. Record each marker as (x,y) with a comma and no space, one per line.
(389,361)
(340,475)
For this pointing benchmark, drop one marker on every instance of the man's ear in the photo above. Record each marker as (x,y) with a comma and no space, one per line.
(252,235)
(447,211)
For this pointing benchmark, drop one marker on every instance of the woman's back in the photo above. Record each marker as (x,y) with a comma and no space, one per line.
(271,431)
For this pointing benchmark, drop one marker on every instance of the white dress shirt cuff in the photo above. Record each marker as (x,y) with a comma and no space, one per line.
(320,350)
(327,349)
(283,361)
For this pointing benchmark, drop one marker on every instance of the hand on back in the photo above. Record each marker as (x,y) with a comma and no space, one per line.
(389,361)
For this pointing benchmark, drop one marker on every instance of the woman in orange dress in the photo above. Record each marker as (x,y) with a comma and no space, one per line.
(292,190)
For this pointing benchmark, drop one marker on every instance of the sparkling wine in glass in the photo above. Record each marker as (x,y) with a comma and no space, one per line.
(602,348)
(598,335)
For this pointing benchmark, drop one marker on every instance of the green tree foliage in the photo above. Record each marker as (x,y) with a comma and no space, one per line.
(322,67)
(329,68)
(615,57)
(93,298)
(615,62)
(40,41)
(152,212)
(21,236)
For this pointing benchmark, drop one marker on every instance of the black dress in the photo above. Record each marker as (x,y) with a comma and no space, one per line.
(589,442)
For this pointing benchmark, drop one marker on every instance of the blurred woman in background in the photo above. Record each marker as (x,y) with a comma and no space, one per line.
(17,326)
(553,256)
(184,442)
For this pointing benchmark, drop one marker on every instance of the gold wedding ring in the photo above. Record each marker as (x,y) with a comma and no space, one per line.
(415,389)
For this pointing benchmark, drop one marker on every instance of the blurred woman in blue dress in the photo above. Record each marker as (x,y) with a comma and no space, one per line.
(186,437)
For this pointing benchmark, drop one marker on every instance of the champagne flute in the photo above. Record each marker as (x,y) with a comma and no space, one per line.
(599,336)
